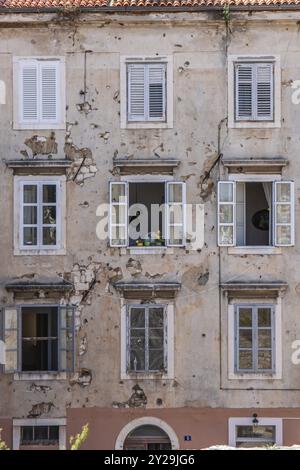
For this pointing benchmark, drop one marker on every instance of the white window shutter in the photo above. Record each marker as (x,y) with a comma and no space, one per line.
(136,92)
(244,91)
(66,338)
(226,213)
(29,91)
(49,77)
(240,214)
(264,92)
(11,338)
(118,216)
(157,91)
(284,213)
(175,213)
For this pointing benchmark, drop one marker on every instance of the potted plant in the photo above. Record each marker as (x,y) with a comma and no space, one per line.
(147,242)
(158,239)
(139,242)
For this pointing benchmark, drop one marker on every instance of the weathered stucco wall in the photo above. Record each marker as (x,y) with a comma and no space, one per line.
(199,45)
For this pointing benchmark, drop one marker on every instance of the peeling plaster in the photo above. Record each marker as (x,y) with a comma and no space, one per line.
(41,145)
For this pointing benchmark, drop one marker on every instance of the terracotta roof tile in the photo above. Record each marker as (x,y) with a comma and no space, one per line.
(139,3)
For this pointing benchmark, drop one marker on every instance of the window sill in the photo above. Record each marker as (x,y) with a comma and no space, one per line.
(41,252)
(252,376)
(151,250)
(146,376)
(19,127)
(254,250)
(40,376)
(254,125)
(147,125)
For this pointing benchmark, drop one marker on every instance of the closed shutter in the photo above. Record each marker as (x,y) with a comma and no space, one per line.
(118,217)
(66,338)
(49,87)
(264,98)
(11,331)
(29,92)
(136,92)
(284,213)
(175,213)
(156,74)
(226,213)
(244,91)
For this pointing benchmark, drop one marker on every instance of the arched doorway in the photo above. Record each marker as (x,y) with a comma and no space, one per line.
(147,437)
(147,433)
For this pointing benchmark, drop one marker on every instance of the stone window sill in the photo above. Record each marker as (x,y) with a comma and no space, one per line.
(40,376)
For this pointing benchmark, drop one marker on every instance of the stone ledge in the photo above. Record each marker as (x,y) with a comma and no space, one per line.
(142,290)
(146,165)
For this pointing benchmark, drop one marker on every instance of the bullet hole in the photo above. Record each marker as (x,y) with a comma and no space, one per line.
(164,35)
(203,335)
(186,64)
(159,402)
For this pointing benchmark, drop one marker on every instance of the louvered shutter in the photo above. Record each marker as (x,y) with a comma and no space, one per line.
(118,217)
(29,92)
(156,83)
(136,92)
(264,92)
(11,331)
(244,92)
(284,213)
(226,213)
(66,338)
(49,86)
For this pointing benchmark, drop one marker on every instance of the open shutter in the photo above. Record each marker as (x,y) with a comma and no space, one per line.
(66,338)
(240,214)
(165,339)
(10,324)
(226,213)
(136,92)
(284,213)
(264,92)
(118,220)
(157,91)
(29,91)
(244,92)
(49,86)
(175,213)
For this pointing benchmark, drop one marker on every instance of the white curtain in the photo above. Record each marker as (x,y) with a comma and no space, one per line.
(268,193)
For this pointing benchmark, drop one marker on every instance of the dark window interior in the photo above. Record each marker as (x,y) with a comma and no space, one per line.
(39,435)
(39,339)
(147,437)
(148,194)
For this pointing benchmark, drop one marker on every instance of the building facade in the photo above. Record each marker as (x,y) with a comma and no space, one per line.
(188,335)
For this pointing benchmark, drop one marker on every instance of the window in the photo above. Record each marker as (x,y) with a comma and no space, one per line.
(254,338)
(39,93)
(39,206)
(146,348)
(144,214)
(254,91)
(147,437)
(243,433)
(39,435)
(256,213)
(146,92)
(38,339)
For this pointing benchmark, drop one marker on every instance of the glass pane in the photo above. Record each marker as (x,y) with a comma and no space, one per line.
(245,338)
(29,215)
(49,215)
(176,235)
(137,317)
(30,236)
(30,193)
(49,193)
(49,235)
(264,338)
(245,316)
(175,192)
(225,192)
(118,214)
(11,318)
(251,444)
(265,360)
(283,192)
(283,234)
(226,235)
(176,213)
(245,360)
(264,316)
(118,192)
(156,317)
(156,338)
(41,433)
(156,359)
(283,213)
(226,213)
(54,433)
(26,434)
(262,432)
(118,235)
(137,357)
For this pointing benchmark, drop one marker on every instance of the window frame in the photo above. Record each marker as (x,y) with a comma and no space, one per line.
(60,247)
(18,123)
(169,319)
(234,422)
(231,91)
(254,307)
(167,122)
(60,422)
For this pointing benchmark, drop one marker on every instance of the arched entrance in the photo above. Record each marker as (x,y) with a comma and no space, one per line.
(147,434)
